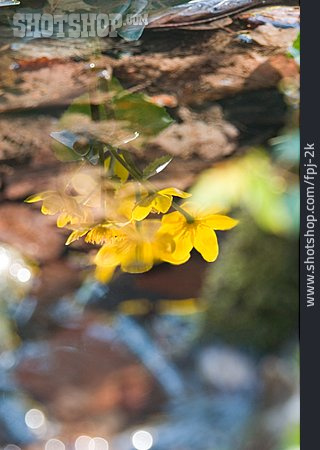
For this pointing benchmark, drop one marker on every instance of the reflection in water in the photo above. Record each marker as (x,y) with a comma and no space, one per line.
(130,333)
(211,391)
(139,372)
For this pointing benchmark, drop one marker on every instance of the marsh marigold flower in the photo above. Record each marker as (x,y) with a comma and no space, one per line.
(195,228)
(158,202)
(68,209)
(135,248)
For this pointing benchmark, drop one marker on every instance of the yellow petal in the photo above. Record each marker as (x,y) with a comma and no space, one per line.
(163,246)
(75,235)
(162,203)
(143,207)
(118,169)
(219,222)
(98,234)
(149,228)
(125,209)
(176,258)
(183,248)
(140,212)
(38,197)
(63,220)
(104,273)
(84,183)
(174,219)
(121,171)
(107,256)
(174,192)
(138,258)
(206,242)
(52,204)
(107,163)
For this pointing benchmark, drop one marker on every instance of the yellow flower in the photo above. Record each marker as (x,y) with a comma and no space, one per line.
(158,202)
(135,248)
(68,209)
(195,229)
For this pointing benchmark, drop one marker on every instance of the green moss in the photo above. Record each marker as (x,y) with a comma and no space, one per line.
(252,290)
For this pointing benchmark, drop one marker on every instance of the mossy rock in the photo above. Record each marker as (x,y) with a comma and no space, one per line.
(252,290)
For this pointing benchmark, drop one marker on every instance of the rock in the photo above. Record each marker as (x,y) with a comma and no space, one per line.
(53,86)
(271,36)
(46,288)
(194,68)
(33,234)
(78,376)
(210,67)
(205,141)
(19,183)
(253,72)
(278,16)
(26,139)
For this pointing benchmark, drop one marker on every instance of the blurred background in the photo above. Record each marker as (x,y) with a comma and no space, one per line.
(193,357)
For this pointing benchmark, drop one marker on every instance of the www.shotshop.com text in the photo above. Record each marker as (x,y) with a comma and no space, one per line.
(309,170)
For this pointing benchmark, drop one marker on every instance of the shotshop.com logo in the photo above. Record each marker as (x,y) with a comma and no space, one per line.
(74,25)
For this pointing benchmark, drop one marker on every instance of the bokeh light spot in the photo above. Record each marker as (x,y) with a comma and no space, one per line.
(54,444)
(24,275)
(83,443)
(4,259)
(142,440)
(34,418)
(98,443)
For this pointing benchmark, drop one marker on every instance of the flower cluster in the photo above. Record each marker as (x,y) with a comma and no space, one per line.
(122,217)
(109,200)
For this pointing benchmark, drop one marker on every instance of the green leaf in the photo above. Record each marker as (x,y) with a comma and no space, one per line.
(267,204)
(296,44)
(157,166)
(253,183)
(141,114)
(115,86)
(82,106)
(64,146)
(294,51)
(134,109)
(71,147)
(65,138)
(126,113)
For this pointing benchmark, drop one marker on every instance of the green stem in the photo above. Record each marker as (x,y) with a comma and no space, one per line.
(189,217)
(131,170)
(101,155)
